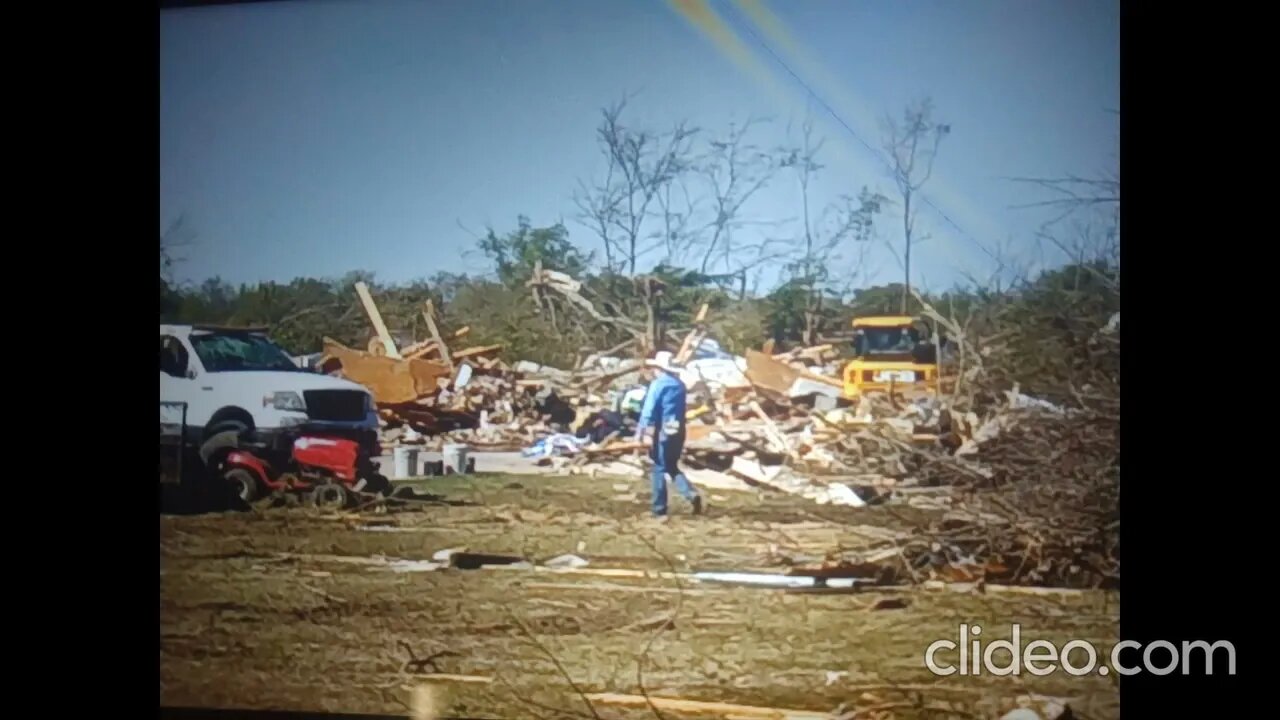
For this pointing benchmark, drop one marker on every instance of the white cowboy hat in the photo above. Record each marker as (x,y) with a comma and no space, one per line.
(663,361)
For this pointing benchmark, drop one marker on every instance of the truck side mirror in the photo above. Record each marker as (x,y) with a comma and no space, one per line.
(190,374)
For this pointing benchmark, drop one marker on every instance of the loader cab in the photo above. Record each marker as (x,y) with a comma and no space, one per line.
(883,341)
(891,352)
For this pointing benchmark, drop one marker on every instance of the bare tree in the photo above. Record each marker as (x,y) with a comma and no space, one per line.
(912,144)
(178,234)
(1073,193)
(598,208)
(1071,196)
(677,209)
(1089,248)
(735,170)
(641,164)
(817,248)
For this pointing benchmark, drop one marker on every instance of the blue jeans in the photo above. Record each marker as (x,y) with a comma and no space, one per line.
(665,454)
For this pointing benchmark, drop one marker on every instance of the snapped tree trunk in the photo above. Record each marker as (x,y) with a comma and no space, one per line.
(906,253)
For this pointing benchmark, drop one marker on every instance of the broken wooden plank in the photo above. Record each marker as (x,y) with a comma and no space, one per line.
(375,317)
(449,677)
(1004,589)
(771,429)
(429,312)
(825,379)
(770,374)
(391,380)
(430,348)
(474,351)
(694,338)
(613,587)
(816,352)
(602,572)
(699,706)
(614,448)
(416,347)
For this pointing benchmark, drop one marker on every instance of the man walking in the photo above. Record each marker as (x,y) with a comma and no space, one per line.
(662,417)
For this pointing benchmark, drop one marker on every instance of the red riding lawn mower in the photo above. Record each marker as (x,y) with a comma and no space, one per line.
(328,471)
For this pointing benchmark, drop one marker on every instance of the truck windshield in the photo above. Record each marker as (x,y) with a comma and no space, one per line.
(228,352)
(885,340)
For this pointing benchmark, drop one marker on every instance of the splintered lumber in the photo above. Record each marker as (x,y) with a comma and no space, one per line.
(409,351)
(1002,589)
(591,381)
(474,351)
(698,706)
(429,313)
(423,350)
(601,572)
(817,351)
(833,382)
(765,372)
(391,380)
(770,373)
(462,331)
(694,338)
(448,677)
(772,431)
(611,587)
(375,317)
(694,433)
(616,448)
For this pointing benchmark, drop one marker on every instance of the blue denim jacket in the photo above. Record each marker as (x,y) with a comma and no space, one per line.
(664,406)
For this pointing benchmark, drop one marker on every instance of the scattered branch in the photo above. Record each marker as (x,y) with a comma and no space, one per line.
(528,634)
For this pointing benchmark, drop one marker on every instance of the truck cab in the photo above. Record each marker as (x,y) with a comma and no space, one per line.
(220,380)
(891,352)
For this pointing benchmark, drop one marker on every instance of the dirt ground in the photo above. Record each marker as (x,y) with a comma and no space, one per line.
(296,609)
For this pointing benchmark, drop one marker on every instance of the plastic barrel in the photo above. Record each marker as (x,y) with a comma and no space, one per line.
(406,462)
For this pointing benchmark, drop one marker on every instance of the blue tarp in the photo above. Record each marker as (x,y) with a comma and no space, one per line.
(559,444)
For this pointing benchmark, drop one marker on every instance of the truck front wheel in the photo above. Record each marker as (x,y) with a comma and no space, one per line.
(216,446)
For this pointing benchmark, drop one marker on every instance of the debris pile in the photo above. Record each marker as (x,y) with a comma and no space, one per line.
(1023,491)
(1049,512)
(1036,503)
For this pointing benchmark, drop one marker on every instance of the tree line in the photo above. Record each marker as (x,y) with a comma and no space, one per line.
(667,210)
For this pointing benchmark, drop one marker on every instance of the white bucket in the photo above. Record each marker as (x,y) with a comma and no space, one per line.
(455,457)
(406,460)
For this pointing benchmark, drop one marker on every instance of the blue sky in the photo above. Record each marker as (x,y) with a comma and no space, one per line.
(315,138)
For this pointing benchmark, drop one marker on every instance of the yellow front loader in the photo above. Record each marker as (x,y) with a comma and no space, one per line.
(891,353)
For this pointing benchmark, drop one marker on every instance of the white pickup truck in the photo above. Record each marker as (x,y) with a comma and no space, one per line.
(223,380)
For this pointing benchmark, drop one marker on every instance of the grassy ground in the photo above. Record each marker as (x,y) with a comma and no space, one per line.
(240,627)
